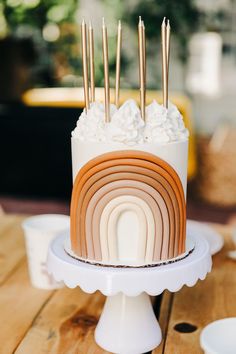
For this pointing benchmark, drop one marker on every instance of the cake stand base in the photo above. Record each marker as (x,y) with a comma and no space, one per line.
(128,324)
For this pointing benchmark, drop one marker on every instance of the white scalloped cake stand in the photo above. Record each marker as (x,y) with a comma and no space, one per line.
(127,324)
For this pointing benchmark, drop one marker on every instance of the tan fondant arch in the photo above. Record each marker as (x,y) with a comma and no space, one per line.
(78,195)
(87,191)
(99,167)
(166,203)
(108,192)
(162,241)
(177,218)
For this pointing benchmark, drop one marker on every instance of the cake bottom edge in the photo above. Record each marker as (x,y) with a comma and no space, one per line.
(189,249)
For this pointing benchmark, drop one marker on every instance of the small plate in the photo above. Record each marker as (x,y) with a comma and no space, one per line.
(214,239)
(218,337)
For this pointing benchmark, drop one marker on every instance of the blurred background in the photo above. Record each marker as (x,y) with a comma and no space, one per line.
(41,96)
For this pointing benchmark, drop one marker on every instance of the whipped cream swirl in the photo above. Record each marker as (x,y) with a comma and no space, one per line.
(91,126)
(164,125)
(127,126)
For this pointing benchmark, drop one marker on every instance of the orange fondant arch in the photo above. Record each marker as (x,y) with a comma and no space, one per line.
(131,166)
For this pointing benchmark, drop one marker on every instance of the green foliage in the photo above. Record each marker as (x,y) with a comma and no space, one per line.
(36,13)
(183,15)
(52,27)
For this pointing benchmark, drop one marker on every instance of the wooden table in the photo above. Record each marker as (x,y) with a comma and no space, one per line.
(62,322)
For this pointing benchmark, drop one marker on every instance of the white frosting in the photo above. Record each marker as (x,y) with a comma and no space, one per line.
(127,126)
(164,125)
(91,126)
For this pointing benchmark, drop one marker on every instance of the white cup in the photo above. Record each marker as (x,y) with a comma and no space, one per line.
(219,337)
(39,231)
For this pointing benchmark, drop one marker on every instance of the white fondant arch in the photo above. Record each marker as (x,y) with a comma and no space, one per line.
(108,228)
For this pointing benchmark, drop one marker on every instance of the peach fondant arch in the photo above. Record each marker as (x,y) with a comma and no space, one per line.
(131,166)
(165,201)
(95,210)
(135,188)
(154,188)
(141,174)
(100,171)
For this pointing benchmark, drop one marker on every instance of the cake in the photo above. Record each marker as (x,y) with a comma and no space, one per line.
(128,205)
(128,201)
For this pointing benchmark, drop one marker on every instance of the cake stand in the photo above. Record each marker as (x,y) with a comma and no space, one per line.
(127,324)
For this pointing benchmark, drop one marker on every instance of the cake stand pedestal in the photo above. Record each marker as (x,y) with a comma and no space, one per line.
(127,324)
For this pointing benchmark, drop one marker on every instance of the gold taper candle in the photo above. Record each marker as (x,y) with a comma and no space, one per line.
(106,71)
(141,68)
(118,54)
(85,64)
(164,64)
(144,54)
(168,29)
(91,63)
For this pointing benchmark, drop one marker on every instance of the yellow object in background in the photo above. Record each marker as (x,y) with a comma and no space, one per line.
(74,97)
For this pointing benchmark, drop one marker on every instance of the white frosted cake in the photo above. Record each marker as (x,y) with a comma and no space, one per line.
(128,201)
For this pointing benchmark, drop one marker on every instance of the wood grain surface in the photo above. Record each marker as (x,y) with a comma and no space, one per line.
(63,321)
(207,301)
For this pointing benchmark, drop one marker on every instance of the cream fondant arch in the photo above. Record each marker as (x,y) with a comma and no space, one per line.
(126,170)
(108,227)
(103,162)
(128,187)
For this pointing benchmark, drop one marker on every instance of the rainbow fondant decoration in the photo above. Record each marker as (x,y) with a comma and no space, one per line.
(129,180)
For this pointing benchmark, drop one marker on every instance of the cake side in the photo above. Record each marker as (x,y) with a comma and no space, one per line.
(128,201)
(133,182)
(174,153)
